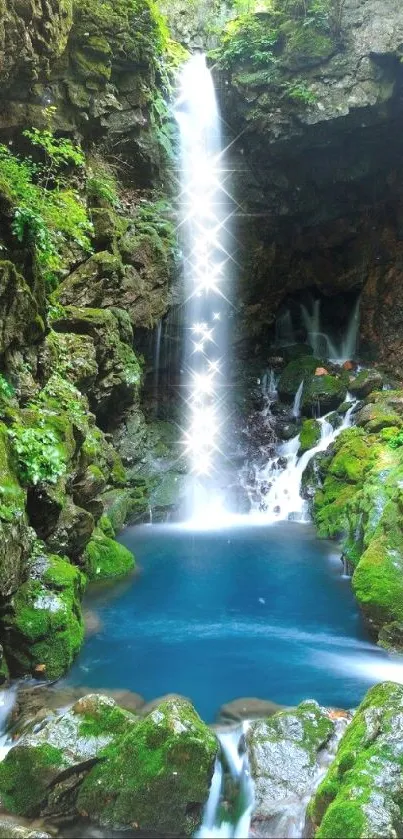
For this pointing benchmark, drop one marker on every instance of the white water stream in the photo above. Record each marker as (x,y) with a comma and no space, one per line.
(7,701)
(279,482)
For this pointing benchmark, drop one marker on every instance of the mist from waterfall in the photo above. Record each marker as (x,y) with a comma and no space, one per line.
(205,213)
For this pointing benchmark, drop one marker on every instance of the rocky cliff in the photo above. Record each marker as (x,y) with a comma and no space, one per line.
(313,97)
(87,250)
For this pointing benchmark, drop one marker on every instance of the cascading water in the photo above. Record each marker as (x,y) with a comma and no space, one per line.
(322,343)
(205,214)
(296,408)
(238,765)
(280,480)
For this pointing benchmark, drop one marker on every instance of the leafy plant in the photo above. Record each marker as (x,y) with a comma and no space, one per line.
(58,150)
(248,40)
(299,92)
(397,441)
(38,453)
(6,389)
(102,186)
(49,214)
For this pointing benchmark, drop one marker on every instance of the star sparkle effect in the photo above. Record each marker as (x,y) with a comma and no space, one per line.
(206,213)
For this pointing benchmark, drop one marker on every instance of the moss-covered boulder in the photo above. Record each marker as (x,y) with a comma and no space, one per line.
(43,626)
(309,435)
(361,794)
(42,771)
(365,383)
(283,753)
(323,393)
(156,776)
(298,370)
(104,558)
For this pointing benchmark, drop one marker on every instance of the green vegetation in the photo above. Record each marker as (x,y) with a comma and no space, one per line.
(6,389)
(48,213)
(396,441)
(361,794)
(38,453)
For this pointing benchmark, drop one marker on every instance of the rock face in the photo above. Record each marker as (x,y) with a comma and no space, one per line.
(313,108)
(283,752)
(361,794)
(98,760)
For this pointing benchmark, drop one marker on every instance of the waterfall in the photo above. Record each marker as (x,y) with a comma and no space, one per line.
(7,702)
(323,345)
(281,478)
(205,212)
(212,827)
(296,408)
(157,365)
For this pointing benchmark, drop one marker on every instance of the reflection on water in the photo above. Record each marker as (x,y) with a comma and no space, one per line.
(262,611)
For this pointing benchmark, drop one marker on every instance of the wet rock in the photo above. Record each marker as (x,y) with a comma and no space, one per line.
(169,697)
(248,708)
(10,829)
(283,753)
(40,773)
(309,436)
(361,793)
(158,776)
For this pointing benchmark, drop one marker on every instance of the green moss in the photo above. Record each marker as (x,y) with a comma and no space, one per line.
(309,436)
(298,370)
(353,456)
(45,626)
(12,496)
(378,581)
(104,558)
(368,753)
(24,776)
(153,773)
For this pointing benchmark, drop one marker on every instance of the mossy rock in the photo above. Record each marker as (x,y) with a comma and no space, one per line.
(33,776)
(353,456)
(297,371)
(309,436)
(323,394)
(21,321)
(378,581)
(361,793)
(44,629)
(365,383)
(104,558)
(157,775)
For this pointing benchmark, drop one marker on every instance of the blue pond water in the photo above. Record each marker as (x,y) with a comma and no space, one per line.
(262,612)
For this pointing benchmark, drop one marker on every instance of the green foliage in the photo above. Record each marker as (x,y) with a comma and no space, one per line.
(299,92)
(6,389)
(396,441)
(58,150)
(49,215)
(38,453)
(248,40)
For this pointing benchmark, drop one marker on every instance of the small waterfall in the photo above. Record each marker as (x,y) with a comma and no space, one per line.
(281,478)
(205,214)
(238,764)
(269,385)
(323,345)
(7,702)
(157,365)
(296,408)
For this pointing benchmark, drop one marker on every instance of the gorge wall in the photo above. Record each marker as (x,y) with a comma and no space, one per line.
(314,108)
